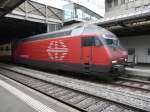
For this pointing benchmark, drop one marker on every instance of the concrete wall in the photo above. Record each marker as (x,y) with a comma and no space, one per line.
(129,6)
(141,45)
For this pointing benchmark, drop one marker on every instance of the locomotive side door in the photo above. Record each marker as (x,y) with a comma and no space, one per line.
(86,52)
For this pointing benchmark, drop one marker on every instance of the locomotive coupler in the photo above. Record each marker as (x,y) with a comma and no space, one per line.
(118,68)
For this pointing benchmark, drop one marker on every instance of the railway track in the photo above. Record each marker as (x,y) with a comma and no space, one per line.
(135,84)
(82,95)
(78,100)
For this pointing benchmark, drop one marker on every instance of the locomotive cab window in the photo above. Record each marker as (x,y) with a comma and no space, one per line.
(90,41)
(97,42)
(87,41)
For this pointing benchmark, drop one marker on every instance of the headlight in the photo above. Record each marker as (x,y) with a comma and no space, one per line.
(125,60)
(114,61)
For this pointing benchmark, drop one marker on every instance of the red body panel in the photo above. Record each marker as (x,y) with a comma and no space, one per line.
(65,49)
(100,55)
(52,49)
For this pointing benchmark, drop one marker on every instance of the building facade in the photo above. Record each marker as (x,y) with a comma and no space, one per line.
(120,7)
(138,45)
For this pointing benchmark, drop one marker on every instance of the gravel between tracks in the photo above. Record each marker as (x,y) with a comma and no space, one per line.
(126,96)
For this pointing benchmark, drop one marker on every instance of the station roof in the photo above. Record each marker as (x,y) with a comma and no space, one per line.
(128,24)
(18,29)
(124,18)
(8,5)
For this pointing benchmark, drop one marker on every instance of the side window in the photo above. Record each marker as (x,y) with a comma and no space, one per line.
(131,51)
(97,42)
(148,52)
(87,41)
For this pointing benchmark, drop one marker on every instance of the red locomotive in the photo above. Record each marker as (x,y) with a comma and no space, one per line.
(82,48)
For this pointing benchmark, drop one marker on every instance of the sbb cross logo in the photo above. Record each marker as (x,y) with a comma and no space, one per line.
(57,50)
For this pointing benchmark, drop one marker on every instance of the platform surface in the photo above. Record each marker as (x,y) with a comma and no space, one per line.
(139,71)
(15,97)
(10,103)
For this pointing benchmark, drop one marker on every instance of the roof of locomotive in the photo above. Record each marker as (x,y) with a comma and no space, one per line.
(69,30)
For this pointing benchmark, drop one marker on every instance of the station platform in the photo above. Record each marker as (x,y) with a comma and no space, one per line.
(139,70)
(15,97)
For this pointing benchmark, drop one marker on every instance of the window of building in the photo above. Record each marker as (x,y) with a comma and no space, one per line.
(131,51)
(115,2)
(122,1)
(109,3)
(126,1)
(148,51)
